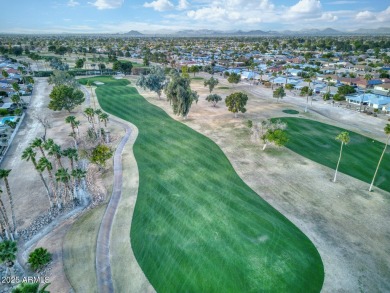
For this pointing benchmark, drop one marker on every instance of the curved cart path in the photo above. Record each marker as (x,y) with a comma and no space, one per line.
(118,211)
(103,266)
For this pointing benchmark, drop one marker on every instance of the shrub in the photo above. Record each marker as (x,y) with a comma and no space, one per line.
(39,258)
(3,112)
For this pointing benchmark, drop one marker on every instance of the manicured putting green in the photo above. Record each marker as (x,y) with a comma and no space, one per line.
(290,111)
(197,227)
(316,141)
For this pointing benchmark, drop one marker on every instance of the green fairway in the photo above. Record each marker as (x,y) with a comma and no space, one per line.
(316,141)
(197,227)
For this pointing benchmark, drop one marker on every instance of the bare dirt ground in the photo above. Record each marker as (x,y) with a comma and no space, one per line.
(348,224)
(30,197)
(29,194)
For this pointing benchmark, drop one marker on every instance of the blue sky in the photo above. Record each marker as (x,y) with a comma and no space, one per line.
(118,16)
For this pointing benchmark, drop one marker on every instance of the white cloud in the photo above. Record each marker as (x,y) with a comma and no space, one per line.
(382,16)
(183,4)
(73,3)
(365,15)
(306,6)
(107,4)
(211,13)
(159,5)
(328,17)
(238,11)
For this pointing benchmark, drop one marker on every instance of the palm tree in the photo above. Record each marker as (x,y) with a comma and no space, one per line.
(72,154)
(77,124)
(45,164)
(29,154)
(77,175)
(48,144)
(63,177)
(308,79)
(387,132)
(98,112)
(286,68)
(56,152)
(367,77)
(343,137)
(8,251)
(252,68)
(90,113)
(38,143)
(328,79)
(5,221)
(72,120)
(104,117)
(4,175)
(16,100)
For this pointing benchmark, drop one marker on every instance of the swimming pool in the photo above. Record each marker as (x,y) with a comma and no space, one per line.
(8,118)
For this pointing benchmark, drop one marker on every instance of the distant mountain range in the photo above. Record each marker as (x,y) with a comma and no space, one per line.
(303,32)
(133,33)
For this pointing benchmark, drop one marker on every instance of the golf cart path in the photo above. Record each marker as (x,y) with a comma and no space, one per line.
(103,266)
(118,214)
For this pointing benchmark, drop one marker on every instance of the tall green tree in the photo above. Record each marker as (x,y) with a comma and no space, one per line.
(211,83)
(79,63)
(234,78)
(65,97)
(279,93)
(154,81)
(214,98)
(180,95)
(29,155)
(101,154)
(236,102)
(194,69)
(275,136)
(60,77)
(387,132)
(4,173)
(4,73)
(343,137)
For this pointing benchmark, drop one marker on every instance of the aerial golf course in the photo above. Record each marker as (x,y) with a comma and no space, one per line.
(197,227)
